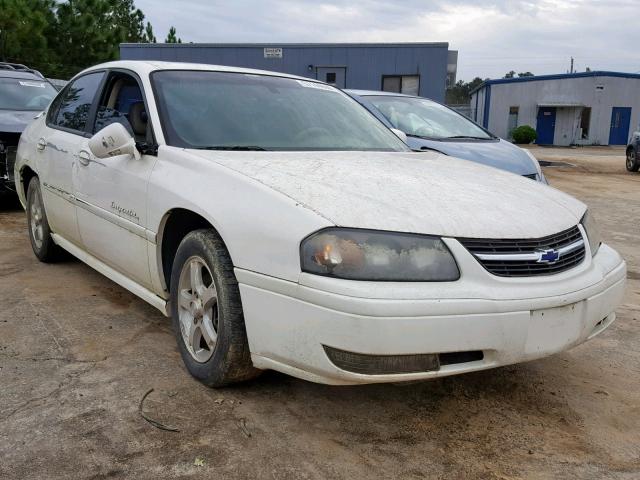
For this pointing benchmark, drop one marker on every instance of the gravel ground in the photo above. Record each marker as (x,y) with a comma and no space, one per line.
(77,353)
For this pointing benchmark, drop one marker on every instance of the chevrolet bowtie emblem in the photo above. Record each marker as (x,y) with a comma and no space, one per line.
(548,256)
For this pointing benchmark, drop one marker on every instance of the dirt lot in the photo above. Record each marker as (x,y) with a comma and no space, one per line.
(77,353)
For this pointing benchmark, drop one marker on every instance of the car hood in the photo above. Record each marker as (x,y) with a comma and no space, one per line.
(409,192)
(499,154)
(15,121)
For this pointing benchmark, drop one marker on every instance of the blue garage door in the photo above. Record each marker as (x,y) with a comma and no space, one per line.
(546,125)
(620,120)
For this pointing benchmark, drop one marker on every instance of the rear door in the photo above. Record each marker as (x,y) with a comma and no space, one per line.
(65,133)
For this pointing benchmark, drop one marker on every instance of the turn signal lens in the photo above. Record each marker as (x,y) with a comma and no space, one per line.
(593,232)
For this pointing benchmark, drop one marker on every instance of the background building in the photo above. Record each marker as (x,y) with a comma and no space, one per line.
(413,68)
(590,108)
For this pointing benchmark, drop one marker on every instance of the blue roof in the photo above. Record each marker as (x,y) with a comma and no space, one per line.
(560,76)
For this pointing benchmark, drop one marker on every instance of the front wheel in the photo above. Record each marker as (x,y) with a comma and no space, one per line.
(633,164)
(207,312)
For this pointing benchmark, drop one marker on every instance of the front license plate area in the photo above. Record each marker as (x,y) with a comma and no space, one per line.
(552,329)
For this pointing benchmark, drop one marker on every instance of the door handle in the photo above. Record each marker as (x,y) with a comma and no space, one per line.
(84,157)
(41,145)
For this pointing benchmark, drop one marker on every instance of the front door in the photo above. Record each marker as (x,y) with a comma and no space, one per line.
(112,192)
(546,125)
(619,130)
(336,76)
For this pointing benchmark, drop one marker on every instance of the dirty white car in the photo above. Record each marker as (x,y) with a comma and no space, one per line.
(283,227)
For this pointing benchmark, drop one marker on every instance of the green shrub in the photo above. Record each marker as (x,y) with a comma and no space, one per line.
(524,134)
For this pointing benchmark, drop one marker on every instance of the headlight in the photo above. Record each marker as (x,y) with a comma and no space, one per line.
(541,177)
(593,232)
(356,254)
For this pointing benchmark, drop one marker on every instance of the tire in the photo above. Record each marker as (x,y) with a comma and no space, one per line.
(39,231)
(207,312)
(633,163)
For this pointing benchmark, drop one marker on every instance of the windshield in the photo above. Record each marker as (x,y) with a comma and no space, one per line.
(21,94)
(222,110)
(423,118)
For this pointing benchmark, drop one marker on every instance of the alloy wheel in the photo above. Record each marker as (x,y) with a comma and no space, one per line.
(37,228)
(198,309)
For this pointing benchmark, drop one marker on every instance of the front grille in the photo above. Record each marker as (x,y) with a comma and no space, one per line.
(7,163)
(525,257)
(8,148)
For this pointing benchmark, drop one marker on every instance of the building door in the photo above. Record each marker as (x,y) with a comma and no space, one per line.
(620,120)
(336,76)
(546,125)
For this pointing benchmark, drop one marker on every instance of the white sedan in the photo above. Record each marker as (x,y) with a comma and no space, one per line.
(283,227)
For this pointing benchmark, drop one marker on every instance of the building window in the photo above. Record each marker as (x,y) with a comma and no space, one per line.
(585,121)
(331,78)
(513,119)
(408,84)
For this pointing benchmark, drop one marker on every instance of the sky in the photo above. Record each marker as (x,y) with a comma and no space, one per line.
(492,37)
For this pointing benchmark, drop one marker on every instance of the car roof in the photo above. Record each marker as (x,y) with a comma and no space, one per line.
(376,93)
(145,67)
(19,74)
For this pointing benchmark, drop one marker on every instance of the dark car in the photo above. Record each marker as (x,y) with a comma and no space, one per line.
(23,93)
(633,152)
(430,125)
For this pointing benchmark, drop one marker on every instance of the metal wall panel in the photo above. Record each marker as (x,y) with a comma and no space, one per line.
(365,63)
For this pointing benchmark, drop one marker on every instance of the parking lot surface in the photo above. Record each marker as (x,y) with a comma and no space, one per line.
(77,354)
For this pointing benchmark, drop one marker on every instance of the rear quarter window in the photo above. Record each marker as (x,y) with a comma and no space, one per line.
(73,105)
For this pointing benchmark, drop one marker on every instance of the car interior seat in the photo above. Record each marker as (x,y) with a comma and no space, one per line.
(138,119)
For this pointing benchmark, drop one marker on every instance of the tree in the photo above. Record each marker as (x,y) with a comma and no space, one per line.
(148,36)
(90,31)
(25,30)
(171,37)
(60,38)
(512,74)
(460,93)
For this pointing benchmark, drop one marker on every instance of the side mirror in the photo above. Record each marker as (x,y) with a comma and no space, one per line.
(113,140)
(400,134)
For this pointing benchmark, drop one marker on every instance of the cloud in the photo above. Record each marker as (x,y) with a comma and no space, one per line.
(492,37)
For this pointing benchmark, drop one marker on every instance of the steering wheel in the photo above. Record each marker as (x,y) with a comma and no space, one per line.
(311,133)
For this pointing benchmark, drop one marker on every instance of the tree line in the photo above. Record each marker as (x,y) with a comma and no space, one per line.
(60,38)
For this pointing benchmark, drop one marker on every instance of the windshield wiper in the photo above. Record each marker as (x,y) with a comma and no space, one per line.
(233,147)
(471,137)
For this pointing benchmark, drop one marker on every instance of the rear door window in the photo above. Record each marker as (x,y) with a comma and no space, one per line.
(76,102)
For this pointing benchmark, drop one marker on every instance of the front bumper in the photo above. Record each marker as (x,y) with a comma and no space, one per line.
(508,320)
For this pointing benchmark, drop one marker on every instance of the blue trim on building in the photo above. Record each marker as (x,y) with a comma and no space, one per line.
(487,103)
(560,76)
